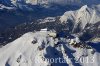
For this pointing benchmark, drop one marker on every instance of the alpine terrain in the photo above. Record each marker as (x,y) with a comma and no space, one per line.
(49,32)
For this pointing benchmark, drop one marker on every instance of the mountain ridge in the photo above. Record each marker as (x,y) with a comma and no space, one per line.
(24,52)
(46,3)
(83,16)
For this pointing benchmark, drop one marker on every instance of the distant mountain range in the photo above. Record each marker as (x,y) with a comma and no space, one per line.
(85,22)
(27,4)
(67,15)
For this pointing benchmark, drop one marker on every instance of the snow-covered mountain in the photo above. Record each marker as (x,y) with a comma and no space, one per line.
(5,7)
(28,4)
(84,21)
(38,47)
(82,17)
(61,2)
(72,39)
(33,48)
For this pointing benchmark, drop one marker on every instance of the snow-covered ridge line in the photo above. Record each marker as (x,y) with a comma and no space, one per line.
(62,2)
(6,7)
(25,3)
(32,47)
(80,18)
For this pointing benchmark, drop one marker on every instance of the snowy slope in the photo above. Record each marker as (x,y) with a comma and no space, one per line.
(26,3)
(82,17)
(22,52)
(62,2)
(5,7)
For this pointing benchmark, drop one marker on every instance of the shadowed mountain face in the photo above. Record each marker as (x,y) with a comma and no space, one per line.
(13,33)
(27,11)
(25,3)
(14,22)
(11,18)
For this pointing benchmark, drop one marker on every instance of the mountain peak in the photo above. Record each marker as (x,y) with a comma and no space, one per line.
(85,7)
(39,48)
(27,3)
